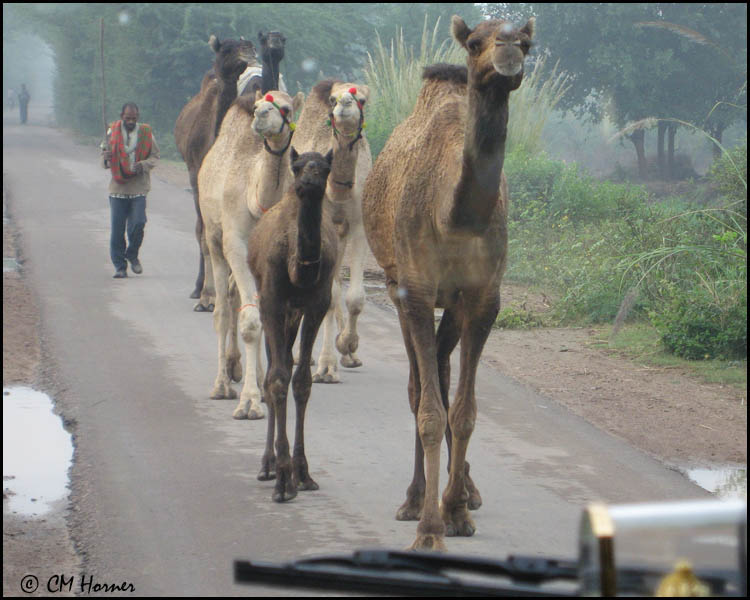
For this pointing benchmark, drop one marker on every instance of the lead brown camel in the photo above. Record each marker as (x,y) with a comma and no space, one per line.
(435,210)
(198,124)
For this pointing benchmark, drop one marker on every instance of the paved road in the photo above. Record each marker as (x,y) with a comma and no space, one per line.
(163,486)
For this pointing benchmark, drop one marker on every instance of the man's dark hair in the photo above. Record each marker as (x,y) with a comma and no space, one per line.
(129,105)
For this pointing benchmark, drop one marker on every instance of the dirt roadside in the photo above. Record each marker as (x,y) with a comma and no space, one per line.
(678,420)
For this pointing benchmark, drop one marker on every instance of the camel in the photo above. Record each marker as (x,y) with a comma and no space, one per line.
(267,76)
(244,174)
(435,211)
(333,117)
(292,255)
(198,125)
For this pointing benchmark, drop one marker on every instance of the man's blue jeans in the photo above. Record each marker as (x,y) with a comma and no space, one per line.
(128,214)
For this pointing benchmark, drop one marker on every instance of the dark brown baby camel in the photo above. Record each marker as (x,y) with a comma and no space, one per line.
(292,253)
(435,209)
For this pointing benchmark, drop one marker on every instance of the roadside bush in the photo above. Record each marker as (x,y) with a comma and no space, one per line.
(697,326)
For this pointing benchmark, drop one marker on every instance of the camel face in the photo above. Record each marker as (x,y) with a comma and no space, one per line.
(310,172)
(272,112)
(495,50)
(273,43)
(348,101)
(233,56)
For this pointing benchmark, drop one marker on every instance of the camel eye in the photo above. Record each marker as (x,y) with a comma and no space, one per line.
(363,101)
(332,101)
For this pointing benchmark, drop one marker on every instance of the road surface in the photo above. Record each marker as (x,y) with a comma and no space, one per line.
(164,489)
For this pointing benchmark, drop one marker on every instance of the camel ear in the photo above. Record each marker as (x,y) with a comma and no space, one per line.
(329,157)
(364,90)
(460,30)
(261,36)
(258,95)
(294,156)
(528,29)
(213,41)
(298,101)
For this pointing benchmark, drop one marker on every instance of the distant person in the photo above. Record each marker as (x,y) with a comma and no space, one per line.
(11,98)
(23,103)
(131,154)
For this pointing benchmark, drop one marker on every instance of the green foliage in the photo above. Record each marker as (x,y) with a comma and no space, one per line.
(729,173)
(513,317)
(696,325)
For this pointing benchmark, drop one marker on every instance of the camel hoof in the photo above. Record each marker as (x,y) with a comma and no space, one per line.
(239,414)
(409,513)
(475,501)
(350,361)
(428,542)
(223,393)
(284,496)
(460,524)
(255,414)
(266,475)
(308,486)
(326,378)
(267,468)
(200,308)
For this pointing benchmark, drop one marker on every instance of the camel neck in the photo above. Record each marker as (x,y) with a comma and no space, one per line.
(309,220)
(269,75)
(274,173)
(343,171)
(476,194)
(227,95)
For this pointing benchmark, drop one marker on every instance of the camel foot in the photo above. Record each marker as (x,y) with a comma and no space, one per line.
(201,308)
(267,469)
(428,541)
(350,361)
(475,500)
(347,344)
(459,523)
(196,294)
(223,392)
(326,377)
(285,489)
(307,485)
(255,413)
(411,510)
(302,476)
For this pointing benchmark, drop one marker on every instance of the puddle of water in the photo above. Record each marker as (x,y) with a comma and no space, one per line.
(37,451)
(725,482)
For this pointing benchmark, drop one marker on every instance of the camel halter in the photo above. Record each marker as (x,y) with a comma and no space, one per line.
(362,124)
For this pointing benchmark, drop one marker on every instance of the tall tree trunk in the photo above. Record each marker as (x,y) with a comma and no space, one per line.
(660,150)
(638,137)
(671,131)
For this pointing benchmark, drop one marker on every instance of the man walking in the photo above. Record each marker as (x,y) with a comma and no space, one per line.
(131,155)
(23,103)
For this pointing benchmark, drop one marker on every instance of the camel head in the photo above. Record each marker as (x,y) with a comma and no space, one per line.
(232,57)
(274,111)
(272,46)
(347,102)
(496,50)
(311,171)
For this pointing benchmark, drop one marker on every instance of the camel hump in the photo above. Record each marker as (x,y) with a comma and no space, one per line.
(446,72)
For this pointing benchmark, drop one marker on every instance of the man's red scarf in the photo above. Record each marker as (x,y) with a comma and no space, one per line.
(120,164)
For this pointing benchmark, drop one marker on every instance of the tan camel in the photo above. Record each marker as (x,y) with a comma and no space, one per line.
(292,256)
(244,174)
(333,117)
(435,210)
(198,125)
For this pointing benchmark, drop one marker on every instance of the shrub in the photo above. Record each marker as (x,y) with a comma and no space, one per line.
(696,326)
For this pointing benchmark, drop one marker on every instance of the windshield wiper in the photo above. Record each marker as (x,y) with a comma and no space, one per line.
(416,574)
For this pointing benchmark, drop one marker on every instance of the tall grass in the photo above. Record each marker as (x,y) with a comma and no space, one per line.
(394,75)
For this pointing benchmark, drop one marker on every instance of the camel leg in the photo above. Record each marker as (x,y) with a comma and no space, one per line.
(347,341)
(417,313)
(200,236)
(248,325)
(234,356)
(448,335)
(268,462)
(222,387)
(277,387)
(327,371)
(462,414)
(301,384)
